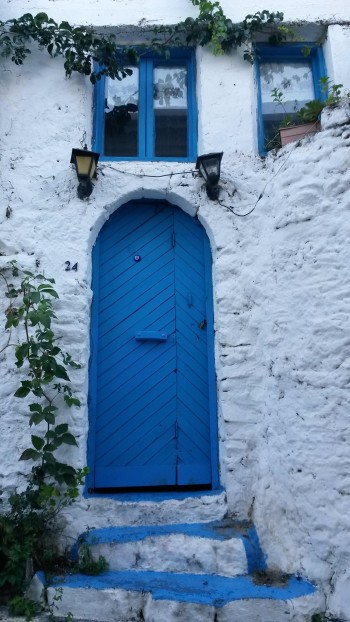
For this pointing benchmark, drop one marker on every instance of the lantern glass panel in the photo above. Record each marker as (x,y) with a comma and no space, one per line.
(83,165)
(93,168)
(212,166)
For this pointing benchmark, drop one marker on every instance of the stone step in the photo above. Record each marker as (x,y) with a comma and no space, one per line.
(137,596)
(225,548)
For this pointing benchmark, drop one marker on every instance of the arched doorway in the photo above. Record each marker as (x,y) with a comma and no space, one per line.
(152,380)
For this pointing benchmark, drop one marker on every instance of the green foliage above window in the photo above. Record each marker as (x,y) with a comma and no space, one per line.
(81,46)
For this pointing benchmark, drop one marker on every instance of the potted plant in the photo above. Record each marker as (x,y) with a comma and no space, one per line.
(306,121)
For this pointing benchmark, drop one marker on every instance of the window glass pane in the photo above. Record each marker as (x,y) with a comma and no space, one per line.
(295,82)
(121,116)
(170,111)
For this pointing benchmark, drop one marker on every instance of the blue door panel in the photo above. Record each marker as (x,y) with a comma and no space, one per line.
(130,325)
(138,375)
(140,398)
(127,347)
(132,281)
(130,422)
(152,422)
(194,474)
(126,239)
(128,321)
(193,424)
(153,251)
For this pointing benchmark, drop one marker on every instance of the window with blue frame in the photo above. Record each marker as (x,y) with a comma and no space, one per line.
(295,71)
(151,114)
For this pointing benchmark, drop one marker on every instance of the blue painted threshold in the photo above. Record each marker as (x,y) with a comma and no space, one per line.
(212,590)
(216,530)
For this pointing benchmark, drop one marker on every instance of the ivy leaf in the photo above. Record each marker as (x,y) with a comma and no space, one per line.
(30,454)
(50,447)
(44,319)
(61,429)
(33,317)
(49,418)
(22,391)
(60,372)
(38,442)
(35,408)
(68,479)
(50,459)
(71,401)
(41,17)
(69,439)
(35,297)
(66,468)
(46,289)
(36,418)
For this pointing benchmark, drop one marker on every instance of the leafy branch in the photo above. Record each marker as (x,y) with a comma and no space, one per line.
(213,28)
(95,54)
(46,367)
(29,528)
(80,46)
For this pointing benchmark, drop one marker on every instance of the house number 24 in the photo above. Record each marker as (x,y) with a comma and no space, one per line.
(69,267)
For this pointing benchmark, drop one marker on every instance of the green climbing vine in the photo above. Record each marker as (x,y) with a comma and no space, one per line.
(84,48)
(26,528)
(214,29)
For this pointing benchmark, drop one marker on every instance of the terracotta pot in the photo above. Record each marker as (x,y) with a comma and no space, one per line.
(295,132)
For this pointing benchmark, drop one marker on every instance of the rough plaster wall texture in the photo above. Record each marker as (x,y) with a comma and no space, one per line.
(338,43)
(222,104)
(281,310)
(304,434)
(117,12)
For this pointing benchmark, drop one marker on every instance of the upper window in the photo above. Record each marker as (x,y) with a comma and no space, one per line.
(150,115)
(293,70)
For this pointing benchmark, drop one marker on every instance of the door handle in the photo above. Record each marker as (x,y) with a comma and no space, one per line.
(151,335)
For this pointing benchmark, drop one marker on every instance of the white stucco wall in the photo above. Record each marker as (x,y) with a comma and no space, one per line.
(336,44)
(103,12)
(281,288)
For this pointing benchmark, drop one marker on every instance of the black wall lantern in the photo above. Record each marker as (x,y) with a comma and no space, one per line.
(85,163)
(209,168)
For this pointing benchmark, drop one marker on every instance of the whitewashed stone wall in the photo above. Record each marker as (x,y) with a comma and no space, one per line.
(281,286)
(115,12)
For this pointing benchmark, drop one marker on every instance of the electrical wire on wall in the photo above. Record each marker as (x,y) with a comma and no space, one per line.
(195,174)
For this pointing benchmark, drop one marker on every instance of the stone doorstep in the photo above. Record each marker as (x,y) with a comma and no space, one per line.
(142,595)
(167,597)
(224,548)
(176,553)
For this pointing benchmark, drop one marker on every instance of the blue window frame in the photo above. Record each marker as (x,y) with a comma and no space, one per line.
(287,68)
(150,115)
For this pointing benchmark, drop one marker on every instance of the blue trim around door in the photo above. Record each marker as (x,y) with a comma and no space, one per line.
(152,400)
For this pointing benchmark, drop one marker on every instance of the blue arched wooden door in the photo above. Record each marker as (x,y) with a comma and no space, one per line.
(152,383)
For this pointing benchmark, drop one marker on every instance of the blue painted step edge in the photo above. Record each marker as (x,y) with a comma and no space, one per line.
(211,590)
(216,530)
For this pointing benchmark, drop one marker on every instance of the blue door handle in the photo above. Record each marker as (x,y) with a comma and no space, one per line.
(151,335)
